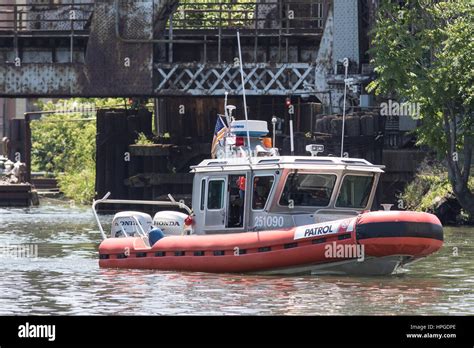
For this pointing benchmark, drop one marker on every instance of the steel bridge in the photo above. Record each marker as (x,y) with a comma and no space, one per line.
(178,47)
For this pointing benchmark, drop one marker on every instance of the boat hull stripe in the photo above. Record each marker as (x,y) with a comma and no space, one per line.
(399,229)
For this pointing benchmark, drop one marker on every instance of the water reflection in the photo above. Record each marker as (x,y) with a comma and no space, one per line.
(66,279)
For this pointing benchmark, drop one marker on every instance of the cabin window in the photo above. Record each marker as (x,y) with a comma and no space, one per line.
(215,198)
(203,193)
(262,186)
(355,191)
(308,190)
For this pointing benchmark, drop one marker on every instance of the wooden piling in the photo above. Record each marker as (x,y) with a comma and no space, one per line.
(116,130)
(15,195)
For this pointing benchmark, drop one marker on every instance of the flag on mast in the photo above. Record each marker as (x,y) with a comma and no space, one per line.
(219,133)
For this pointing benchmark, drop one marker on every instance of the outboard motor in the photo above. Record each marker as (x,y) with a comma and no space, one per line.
(125,221)
(171,222)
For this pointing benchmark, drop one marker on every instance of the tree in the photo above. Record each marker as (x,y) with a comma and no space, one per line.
(423,53)
(63,143)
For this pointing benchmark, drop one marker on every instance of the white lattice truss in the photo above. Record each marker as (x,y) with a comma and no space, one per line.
(216,79)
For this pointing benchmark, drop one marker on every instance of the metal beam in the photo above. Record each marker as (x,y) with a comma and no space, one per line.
(262,79)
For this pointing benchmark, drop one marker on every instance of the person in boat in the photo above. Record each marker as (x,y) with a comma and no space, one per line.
(261,191)
(241,185)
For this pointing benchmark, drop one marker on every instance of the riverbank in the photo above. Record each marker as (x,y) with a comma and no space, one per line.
(431,191)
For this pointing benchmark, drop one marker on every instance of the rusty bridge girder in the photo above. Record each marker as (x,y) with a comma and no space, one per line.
(150,48)
(57,80)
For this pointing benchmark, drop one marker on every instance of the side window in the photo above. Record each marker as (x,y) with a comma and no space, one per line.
(203,193)
(215,195)
(355,191)
(262,186)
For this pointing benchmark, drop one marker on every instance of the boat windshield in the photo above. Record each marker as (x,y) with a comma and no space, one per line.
(308,190)
(355,191)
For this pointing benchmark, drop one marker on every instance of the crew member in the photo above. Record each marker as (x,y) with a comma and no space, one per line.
(241,185)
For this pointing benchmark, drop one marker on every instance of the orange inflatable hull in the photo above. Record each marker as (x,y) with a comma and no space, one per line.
(378,234)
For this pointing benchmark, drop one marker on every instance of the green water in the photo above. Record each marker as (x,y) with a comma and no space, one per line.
(65,279)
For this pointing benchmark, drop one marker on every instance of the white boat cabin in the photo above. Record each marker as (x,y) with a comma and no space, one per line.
(275,192)
(250,187)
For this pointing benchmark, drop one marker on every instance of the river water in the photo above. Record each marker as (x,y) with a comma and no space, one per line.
(65,279)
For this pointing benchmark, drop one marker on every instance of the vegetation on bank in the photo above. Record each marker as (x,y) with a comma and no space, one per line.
(63,144)
(143,140)
(423,53)
(431,191)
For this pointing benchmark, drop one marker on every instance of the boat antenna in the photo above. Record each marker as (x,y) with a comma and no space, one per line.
(346,67)
(243,93)
(274,122)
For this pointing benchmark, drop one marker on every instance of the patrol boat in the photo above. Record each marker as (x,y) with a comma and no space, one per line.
(254,211)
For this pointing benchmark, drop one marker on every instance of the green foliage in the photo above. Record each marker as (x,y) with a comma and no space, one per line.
(423,52)
(430,184)
(205,14)
(143,140)
(79,185)
(64,144)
